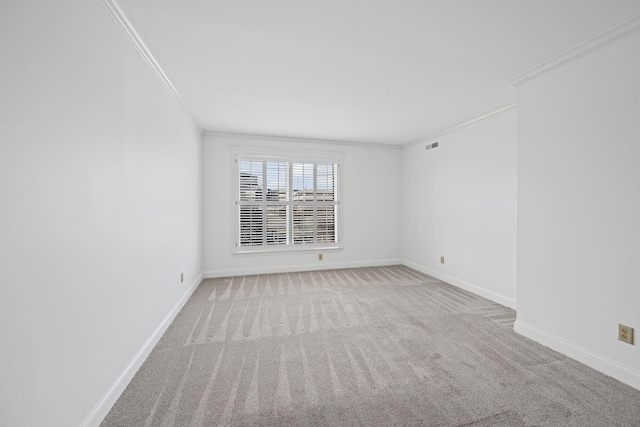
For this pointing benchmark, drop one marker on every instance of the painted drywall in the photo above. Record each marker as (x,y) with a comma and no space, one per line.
(100,193)
(579,208)
(459,201)
(370,208)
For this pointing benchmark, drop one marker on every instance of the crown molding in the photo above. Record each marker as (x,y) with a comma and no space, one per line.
(296,139)
(458,126)
(114,10)
(608,37)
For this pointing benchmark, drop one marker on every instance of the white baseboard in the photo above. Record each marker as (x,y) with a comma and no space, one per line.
(596,361)
(321,265)
(102,408)
(478,290)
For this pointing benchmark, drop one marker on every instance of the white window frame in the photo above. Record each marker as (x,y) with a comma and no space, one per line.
(315,158)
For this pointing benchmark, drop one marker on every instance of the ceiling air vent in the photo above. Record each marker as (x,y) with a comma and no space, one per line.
(430,146)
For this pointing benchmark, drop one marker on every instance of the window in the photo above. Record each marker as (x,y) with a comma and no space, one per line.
(286,204)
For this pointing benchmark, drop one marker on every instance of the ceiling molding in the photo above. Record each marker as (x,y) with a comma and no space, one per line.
(304,140)
(608,37)
(463,124)
(123,23)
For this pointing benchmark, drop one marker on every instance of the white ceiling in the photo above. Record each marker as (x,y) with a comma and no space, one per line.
(384,71)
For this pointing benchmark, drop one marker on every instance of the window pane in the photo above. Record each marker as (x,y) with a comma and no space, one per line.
(251,179)
(277,180)
(302,224)
(302,176)
(251,218)
(277,224)
(326,182)
(326,220)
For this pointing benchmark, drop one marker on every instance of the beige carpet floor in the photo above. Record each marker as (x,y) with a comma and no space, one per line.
(382,346)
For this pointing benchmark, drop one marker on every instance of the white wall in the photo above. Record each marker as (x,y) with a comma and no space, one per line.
(579,208)
(459,201)
(100,194)
(371,232)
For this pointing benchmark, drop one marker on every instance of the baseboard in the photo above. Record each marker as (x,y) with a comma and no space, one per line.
(103,407)
(596,361)
(321,265)
(478,290)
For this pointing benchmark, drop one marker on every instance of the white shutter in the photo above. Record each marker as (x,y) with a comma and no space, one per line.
(251,221)
(277,225)
(303,224)
(326,181)
(277,180)
(327,202)
(250,198)
(250,178)
(326,223)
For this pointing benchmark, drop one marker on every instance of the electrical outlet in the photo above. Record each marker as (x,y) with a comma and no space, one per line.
(181,277)
(320,257)
(441,260)
(625,333)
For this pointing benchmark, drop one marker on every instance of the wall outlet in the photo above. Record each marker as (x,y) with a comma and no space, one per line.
(625,333)
(441,260)
(181,277)
(320,257)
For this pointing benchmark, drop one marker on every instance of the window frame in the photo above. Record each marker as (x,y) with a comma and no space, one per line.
(291,158)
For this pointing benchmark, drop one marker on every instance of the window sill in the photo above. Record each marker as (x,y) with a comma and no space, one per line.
(288,250)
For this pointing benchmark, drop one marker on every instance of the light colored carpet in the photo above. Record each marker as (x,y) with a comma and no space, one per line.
(369,346)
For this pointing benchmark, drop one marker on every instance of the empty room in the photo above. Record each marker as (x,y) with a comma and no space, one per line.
(408,213)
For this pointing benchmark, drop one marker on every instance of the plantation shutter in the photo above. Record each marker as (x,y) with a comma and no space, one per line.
(277,196)
(250,206)
(327,207)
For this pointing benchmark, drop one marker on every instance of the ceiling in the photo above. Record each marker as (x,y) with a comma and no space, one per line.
(381,71)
